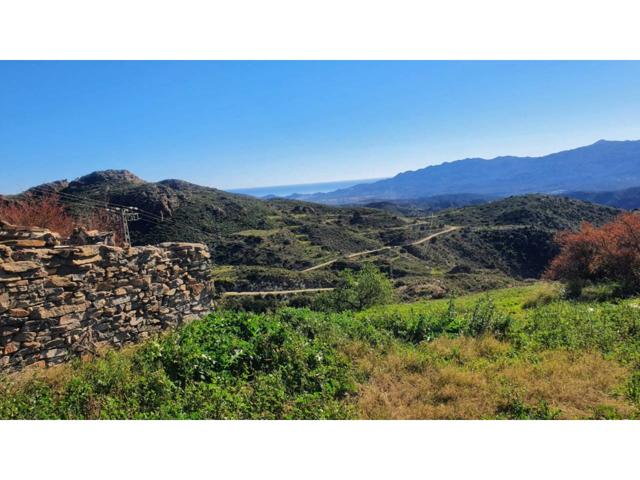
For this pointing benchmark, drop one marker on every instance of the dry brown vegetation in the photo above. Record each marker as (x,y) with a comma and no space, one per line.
(43,211)
(474,378)
(47,211)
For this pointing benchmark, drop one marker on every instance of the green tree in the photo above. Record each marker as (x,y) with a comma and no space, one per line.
(360,290)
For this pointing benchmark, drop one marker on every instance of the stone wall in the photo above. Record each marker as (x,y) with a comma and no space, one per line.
(63,301)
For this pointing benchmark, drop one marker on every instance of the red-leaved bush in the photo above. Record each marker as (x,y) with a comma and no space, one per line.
(44,211)
(608,253)
(47,211)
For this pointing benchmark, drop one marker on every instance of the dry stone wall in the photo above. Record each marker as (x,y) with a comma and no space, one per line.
(64,301)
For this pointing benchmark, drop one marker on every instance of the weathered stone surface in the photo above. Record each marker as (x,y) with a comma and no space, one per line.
(70,321)
(57,281)
(59,301)
(4,301)
(25,243)
(19,267)
(5,252)
(86,251)
(85,261)
(44,313)
(18,312)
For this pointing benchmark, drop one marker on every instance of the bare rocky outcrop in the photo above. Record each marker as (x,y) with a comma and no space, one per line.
(59,302)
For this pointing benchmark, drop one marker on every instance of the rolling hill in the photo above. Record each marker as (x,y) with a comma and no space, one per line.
(238,228)
(605,165)
(260,245)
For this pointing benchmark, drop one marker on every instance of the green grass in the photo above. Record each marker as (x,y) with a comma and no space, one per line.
(509,301)
(258,233)
(489,355)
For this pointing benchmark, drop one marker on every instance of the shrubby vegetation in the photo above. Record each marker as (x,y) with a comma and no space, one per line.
(48,211)
(228,365)
(480,356)
(358,290)
(610,253)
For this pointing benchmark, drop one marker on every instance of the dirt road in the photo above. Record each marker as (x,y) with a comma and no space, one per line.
(351,256)
(330,262)
(434,235)
(275,292)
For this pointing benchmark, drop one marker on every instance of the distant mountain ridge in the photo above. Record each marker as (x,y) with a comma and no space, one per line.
(604,165)
(628,198)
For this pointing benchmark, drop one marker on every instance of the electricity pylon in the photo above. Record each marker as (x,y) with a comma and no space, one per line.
(127,214)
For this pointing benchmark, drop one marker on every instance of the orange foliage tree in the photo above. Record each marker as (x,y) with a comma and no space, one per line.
(609,253)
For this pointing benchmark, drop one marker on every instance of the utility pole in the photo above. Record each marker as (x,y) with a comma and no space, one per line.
(127,214)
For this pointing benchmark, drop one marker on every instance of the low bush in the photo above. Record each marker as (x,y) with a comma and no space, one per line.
(358,290)
(231,365)
(544,296)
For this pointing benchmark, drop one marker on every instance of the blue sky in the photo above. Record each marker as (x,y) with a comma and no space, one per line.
(247,124)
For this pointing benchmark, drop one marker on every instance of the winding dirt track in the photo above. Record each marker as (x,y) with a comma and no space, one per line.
(274,292)
(434,235)
(376,250)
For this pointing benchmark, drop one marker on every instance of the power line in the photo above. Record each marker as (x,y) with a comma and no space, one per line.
(103,204)
(98,203)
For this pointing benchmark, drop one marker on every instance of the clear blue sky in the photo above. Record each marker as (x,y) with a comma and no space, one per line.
(246,124)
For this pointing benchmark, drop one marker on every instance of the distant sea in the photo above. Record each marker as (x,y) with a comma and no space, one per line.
(305,188)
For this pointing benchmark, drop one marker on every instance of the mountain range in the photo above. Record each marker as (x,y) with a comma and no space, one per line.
(602,166)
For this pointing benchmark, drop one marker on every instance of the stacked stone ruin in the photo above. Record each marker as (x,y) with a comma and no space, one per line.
(57,301)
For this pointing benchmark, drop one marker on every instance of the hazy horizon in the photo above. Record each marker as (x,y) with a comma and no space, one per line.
(310,187)
(246,125)
(301,188)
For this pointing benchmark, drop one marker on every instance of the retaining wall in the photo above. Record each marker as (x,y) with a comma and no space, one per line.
(59,302)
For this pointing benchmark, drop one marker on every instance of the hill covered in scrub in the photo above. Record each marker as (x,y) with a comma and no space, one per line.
(543,211)
(427,205)
(238,228)
(263,245)
(604,165)
(509,238)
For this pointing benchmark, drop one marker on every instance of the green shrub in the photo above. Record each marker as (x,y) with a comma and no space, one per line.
(300,363)
(602,292)
(229,365)
(358,290)
(547,294)
(516,409)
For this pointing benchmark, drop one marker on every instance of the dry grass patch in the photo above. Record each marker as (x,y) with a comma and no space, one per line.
(474,378)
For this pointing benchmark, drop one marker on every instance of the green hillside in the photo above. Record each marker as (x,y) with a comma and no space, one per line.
(262,245)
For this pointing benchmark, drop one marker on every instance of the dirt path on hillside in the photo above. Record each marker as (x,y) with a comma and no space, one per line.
(275,292)
(330,262)
(434,235)
(381,249)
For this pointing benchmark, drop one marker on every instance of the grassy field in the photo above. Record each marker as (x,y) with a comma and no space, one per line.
(518,353)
